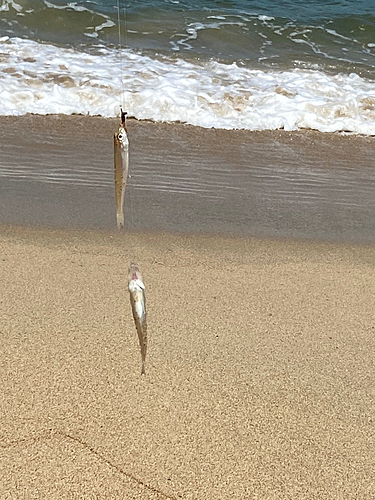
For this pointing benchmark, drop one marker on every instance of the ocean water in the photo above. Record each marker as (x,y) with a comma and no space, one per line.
(230,64)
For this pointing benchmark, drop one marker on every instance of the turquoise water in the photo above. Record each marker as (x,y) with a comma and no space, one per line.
(334,36)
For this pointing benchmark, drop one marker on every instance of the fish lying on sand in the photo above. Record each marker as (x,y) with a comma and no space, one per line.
(138,303)
(121,149)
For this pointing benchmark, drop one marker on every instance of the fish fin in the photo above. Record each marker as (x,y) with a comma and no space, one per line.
(136,285)
(140,284)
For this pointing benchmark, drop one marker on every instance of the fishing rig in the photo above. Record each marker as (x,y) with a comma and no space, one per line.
(121,142)
(121,163)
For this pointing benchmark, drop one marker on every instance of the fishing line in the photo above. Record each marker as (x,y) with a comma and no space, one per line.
(123,94)
(122,98)
(130,181)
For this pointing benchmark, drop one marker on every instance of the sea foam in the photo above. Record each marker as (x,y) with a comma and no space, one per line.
(46,79)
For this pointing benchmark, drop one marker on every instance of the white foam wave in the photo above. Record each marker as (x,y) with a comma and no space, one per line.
(44,79)
(7,4)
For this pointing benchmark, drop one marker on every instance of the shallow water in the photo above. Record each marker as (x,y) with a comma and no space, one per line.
(302,185)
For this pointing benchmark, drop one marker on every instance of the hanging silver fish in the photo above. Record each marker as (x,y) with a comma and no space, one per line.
(138,303)
(121,148)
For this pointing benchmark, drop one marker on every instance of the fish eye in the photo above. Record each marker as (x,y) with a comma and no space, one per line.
(120,137)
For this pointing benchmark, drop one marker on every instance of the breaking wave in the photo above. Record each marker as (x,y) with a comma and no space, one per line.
(42,78)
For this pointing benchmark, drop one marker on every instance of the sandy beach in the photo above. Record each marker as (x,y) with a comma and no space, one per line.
(250,210)
(258,259)
(259,375)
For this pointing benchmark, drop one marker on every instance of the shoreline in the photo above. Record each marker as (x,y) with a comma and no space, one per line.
(58,171)
(109,236)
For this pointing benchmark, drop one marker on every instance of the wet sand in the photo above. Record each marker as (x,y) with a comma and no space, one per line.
(259,375)
(58,171)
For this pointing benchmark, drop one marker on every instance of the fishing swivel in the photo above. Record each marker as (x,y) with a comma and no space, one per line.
(123,117)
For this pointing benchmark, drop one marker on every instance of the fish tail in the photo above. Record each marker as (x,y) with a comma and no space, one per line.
(143,343)
(143,372)
(120,220)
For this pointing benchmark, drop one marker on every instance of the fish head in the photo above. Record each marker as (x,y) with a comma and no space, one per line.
(121,138)
(134,273)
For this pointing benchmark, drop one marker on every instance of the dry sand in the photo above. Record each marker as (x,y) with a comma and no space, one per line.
(259,377)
